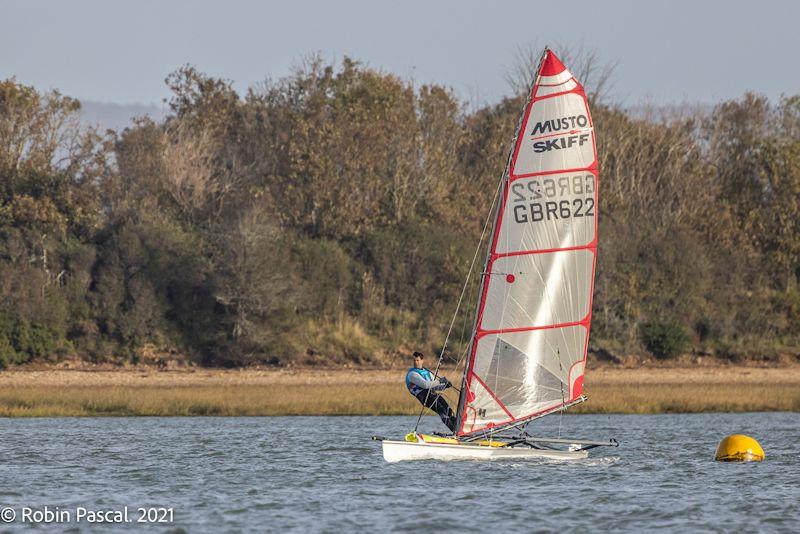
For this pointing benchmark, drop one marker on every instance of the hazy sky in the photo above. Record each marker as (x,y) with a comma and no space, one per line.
(115,51)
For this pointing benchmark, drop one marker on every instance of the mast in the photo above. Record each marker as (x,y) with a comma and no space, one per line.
(496,209)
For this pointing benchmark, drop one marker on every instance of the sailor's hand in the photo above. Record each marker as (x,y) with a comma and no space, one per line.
(446,382)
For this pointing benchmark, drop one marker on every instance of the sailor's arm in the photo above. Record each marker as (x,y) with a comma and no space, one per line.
(418,381)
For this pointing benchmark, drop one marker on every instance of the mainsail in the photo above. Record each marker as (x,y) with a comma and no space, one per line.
(528,349)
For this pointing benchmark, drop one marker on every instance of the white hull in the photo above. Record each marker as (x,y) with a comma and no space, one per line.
(397,451)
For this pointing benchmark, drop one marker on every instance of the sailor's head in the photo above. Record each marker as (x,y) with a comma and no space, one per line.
(419,359)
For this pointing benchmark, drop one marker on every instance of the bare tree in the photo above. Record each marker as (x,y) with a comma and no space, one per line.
(254,277)
(190,174)
(585,63)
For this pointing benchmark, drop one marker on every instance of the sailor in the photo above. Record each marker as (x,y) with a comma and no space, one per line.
(421,383)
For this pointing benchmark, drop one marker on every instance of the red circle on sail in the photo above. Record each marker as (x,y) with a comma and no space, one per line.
(510,278)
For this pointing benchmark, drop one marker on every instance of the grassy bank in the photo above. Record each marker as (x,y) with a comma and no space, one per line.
(203,400)
(311,392)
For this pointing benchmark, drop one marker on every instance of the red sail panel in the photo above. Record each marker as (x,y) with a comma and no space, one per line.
(528,353)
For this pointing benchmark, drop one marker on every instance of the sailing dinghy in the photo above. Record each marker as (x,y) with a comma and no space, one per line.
(527,351)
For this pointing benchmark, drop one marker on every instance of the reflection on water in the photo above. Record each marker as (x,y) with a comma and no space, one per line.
(324,473)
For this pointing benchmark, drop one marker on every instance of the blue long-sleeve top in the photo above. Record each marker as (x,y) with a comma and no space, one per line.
(419,379)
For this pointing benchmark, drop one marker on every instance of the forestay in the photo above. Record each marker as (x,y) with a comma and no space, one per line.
(528,350)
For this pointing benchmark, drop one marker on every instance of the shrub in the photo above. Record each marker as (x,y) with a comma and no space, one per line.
(664,340)
(21,340)
(7,352)
(37,340)
(338,341)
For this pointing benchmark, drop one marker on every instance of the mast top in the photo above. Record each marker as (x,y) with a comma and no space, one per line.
(552,65)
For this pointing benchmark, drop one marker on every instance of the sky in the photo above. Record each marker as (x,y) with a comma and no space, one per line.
(665,52)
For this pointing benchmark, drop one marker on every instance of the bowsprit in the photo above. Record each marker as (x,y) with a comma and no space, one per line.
(561,142)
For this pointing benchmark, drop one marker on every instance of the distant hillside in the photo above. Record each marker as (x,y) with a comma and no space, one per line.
(108,115)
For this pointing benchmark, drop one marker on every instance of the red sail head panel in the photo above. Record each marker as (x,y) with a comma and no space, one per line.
(551,65)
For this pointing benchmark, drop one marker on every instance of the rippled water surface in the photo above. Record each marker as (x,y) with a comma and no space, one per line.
(324,474)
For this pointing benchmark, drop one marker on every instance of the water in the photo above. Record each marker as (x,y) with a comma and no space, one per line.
(324,474)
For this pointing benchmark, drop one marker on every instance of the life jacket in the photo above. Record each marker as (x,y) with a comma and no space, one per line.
(424,373)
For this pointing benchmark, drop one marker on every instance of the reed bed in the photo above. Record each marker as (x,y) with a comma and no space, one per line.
(690,398)
(379,399)
(34,401)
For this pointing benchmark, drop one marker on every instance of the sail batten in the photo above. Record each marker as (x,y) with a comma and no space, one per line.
(528,351)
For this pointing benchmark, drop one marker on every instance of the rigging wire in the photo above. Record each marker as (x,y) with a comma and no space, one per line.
(464,327)
(461,297)
(563,397)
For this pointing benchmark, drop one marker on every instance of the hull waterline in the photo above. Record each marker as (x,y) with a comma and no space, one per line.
(397,451)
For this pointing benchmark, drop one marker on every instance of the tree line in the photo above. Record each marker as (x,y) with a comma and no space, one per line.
(330,217)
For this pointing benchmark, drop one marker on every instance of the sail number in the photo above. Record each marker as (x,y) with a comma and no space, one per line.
(543,199)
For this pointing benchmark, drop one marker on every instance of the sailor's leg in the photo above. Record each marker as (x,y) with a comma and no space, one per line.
(434,401)
(437,403)
(445,413)
(427,398)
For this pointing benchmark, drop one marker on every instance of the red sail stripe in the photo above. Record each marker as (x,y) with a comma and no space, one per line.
(497,400)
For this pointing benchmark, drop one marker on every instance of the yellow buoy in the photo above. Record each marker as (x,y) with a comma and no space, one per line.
(739,448)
